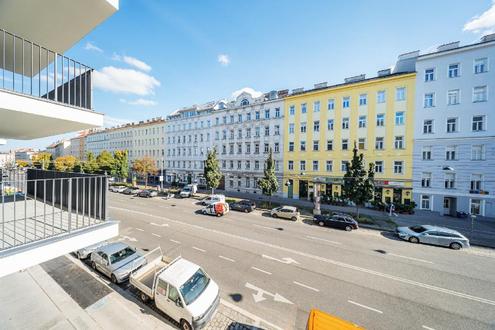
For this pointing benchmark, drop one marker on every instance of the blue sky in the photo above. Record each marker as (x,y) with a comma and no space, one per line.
(154,56)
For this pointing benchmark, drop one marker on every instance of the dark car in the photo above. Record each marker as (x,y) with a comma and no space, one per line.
(336,221)
(243,206)
(147,193)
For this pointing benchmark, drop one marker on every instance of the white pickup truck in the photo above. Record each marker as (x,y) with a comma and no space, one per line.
(179,288)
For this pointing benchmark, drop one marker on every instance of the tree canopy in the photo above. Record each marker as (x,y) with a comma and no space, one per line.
(212,172)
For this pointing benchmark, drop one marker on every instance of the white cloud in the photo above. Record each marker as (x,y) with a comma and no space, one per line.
(223,59)
(141,102)
(119,80)
(484,23)
(109,121)
(90,46)
(132,61)
(249,90)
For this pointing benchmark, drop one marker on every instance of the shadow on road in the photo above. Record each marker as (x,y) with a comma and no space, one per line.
(236,297)
(390,235)
(241,326)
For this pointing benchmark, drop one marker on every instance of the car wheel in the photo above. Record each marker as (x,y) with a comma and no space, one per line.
(79,256)
(293,219)
(455,246)
(93,265)
(114,279)
(246,211)
(274,215)
(184,325)
(144,297)
(413,240)
(321,223)
(348,228)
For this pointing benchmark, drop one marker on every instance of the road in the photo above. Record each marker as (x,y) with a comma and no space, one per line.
(278,270)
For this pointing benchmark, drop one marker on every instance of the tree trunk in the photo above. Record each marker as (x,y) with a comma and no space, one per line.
(357,211)
(145,181)
(212,190)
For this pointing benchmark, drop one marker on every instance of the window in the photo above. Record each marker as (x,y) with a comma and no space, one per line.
(330,125)
(277,130)
(329,145)
(425,179)
(239,133)
(257,131)
(425,202)
(450,153)
(454,70)
(345,123)
(248,182)
(380,97)
(449,180)
(277,147)
(267,114)
(362,121)
(224,163)
(303,146)
(428,126)
(239,148)
(248,116)
(476,206)
(399,118)
(476,182)
(267,148)
(346,102)
(303,127)
(231,165)
(292,110)
(291,146)
(231,134)
(316,145)
(378,166)
(480,65)
(315,165)
(248,148)
(290,165)
(257,115)
(426,152)
(400,93)
(267,130)
(303,108)
(256,148)
(398,167)
(244,102)
(239,165)
(248,132)
(224,119)
(344,165)
(239,118)
(478,152)
(478,123)
(363,99)
(316,126)
(291,128)
(329,166)
(362,143)
(331,104)
(379,143)
(231,149)
(429,100)
(302,165)
(232,119)
(399,142)
(380,120)
(256,164)
(316,106)
(277,112)
(451,125)
(453,97)
(429,75)
(479,94)
(345,144)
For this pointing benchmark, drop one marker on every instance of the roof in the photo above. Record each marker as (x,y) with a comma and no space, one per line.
(113,247)
(463,47)
(179,272)
(289,207)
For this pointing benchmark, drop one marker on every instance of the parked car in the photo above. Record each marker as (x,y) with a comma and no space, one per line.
(147,193)
(286,212)
(433,235)
(212,199)
(168,195)
(218,209)
(131,191)
(243,206)
(117,261)
(336,221)
(179,288)
(117,189)
(85,252)
(188,191)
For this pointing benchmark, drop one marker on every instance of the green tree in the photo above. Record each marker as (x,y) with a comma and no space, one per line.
(90,165)
(106,163)
(269,183)
(42,160)
(358,184)
(212,172)
(65,163)
(143,167)
(121,164)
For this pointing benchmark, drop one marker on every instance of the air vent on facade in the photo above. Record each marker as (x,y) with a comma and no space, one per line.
(449,46)
(488,37)
(321,85)
(298,90)
(384,72)
(355,78)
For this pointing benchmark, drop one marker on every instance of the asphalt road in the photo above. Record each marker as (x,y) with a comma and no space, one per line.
(278,270)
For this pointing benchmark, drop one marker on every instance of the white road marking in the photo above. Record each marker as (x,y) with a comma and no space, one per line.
(155,235)
(427,328)
(258,322)
(364,306)
(225,258)
(306,286)
(261,270)
(198,249)
(259,295)
(410,258)
(139,229)
(159,224)
(265,227)
(173,240)
(323,240)
(322,259)
(130,239)
(285,260)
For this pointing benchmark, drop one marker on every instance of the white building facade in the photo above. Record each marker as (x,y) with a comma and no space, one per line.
(454,153)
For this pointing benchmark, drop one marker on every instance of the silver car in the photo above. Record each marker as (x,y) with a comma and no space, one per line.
(85,252)
(286,212)
(433,235)
(117,261)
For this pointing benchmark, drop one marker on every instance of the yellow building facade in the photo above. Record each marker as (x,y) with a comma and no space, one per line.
(322,125)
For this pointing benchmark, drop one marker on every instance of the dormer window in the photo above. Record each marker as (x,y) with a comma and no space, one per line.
(244,102)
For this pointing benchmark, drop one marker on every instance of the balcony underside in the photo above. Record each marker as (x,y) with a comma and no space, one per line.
(24,117)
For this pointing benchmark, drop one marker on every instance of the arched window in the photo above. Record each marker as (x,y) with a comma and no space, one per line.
(244,102)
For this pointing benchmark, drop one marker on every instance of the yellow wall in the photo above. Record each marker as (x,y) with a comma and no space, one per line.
(389,131)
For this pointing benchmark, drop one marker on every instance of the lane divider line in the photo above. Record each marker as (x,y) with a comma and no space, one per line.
(427,328)
(261,270)
(198,249)
(225,258)
(139,229)
(410,258)
(306,286)
(155,235)
(323,240)
(173,240)
(364,306)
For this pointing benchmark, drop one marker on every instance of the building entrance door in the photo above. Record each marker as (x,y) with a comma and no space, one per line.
(449,206)
(290,189)
(303,189)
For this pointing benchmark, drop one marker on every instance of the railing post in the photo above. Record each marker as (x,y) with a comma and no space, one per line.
(55,76)
(69,203)
(44,208)
(3,211)
(25,209)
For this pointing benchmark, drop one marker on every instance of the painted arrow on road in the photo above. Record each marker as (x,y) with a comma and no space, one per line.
(159,225)
(283,260)
(259,295)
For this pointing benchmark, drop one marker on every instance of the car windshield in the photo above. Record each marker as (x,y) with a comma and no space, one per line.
(121,255)
(418,229)
(194,286)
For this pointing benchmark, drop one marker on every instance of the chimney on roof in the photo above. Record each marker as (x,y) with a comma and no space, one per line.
(384,72)
(283,93)
(320,85)
(355,78)
(298,90)
(488,37)
(449,46)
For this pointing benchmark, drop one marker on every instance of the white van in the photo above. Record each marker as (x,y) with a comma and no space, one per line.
(212,199)
(188,191)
